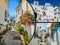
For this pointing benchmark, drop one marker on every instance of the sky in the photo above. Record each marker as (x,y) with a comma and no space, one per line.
(42,2)
(14,3)
(42,25)
(12,7)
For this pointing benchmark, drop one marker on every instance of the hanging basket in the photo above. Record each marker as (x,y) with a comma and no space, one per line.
(47,35)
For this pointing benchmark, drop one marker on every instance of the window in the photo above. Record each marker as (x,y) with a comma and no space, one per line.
(54,16)
(0,28)
(59,9)
(35,8)
(22,11)
(58,12)
(5,19)
(36,3)
(5,13)
(52,19)
(55,13)
(44,13)
(40,15)
(18,12)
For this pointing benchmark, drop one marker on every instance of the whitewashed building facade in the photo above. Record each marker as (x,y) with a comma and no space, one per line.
(21,9)
(46,13)
(4,14)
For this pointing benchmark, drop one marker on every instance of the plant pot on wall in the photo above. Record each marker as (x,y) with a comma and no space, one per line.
(47,35)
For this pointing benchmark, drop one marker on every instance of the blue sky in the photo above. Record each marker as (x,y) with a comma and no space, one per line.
(12,7)
(42,25)
(14,3)
(42,2)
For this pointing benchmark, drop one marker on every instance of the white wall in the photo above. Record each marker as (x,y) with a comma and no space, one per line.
(32,29)
(23,7)
(49,11)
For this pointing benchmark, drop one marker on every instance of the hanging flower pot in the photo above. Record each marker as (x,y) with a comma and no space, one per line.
(47,35)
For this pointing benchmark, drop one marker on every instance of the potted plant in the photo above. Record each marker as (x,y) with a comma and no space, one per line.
(26,37)
(47,35)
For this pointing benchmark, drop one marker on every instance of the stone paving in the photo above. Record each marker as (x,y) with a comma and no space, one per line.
(34,41)
(8,38)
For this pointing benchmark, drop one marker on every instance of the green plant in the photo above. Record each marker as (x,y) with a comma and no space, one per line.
(47,35)
(27,19)
(21,30)
(26,36)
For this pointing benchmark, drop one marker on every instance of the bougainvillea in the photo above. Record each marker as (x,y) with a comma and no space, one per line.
(27,18)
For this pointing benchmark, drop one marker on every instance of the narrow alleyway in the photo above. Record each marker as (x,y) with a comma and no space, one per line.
(12,37)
